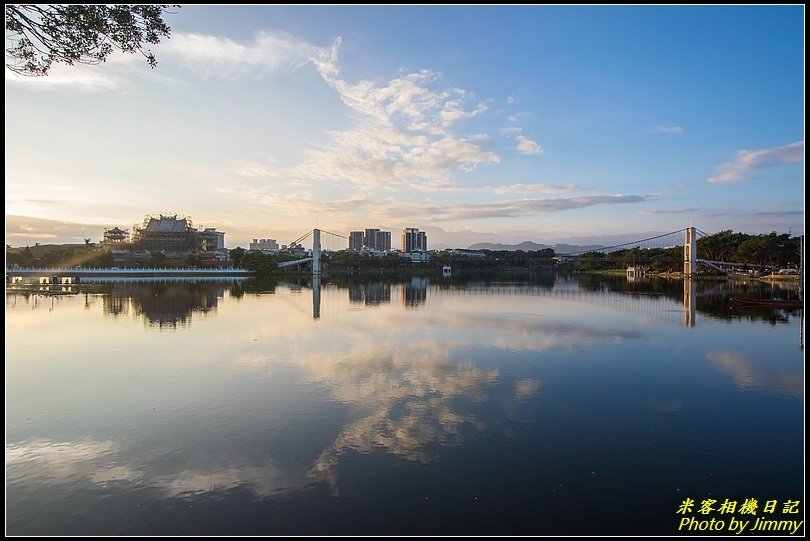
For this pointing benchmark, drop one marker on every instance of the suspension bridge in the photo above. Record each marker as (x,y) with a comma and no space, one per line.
(685,239)
(322,241)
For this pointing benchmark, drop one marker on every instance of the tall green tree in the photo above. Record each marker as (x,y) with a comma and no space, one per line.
(260,263)
(41,34)
(237,255)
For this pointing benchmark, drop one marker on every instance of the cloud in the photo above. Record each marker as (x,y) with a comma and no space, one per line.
(115,73)
(301,203)
(527,146)
(24,231)
(206,56)
(502,209)
(305,203)
(518,117)
(749,160)
(77,77)
(256,170)
(777,213)
(403,132)
(544,188)
(672,130)
(754,214)
(670,211)
(511,130)
(211,56)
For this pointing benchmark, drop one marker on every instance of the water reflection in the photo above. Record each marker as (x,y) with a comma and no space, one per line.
(414,292)
(163,305)
(689,302)
(109,464)
(171,304)
(370,294)
(495,389)
(409,399)
(750,374)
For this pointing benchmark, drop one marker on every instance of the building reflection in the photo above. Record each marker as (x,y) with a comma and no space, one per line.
(414,292)
(373,293)
(163,304)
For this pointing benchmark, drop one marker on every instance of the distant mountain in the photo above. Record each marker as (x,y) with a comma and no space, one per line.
(529,246)
(526,246)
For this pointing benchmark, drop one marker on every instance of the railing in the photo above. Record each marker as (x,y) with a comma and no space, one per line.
(124,270)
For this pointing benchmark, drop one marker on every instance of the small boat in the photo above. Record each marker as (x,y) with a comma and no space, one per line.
(768,303)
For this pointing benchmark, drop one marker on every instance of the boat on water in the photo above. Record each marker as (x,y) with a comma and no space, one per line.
(768,303)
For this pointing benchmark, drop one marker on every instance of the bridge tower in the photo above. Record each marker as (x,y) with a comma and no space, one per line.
(689,251)
(316,252)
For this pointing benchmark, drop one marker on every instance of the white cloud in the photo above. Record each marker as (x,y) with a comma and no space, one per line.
(205,55)
(540,187)
(402,133)
(501,209)
(519,117)
(685,210)
(527,146)
(748,160)
(111,75)
(212,56)
(255,170)
(83,78)
(673,130)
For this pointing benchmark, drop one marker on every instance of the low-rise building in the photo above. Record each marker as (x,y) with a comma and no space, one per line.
(264,245)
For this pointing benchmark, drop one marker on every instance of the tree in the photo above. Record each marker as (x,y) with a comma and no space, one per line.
(192,260)
(237,254)
(156,259)
(43,34)
(103,258)
(259,263)
(721,246)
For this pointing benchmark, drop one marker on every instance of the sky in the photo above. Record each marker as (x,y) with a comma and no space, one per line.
(474,123)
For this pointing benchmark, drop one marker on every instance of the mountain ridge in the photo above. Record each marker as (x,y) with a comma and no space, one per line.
(531,246)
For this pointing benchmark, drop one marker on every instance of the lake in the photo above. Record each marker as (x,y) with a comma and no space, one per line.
(536,405)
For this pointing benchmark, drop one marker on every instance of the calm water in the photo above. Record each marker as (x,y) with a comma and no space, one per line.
(558,406)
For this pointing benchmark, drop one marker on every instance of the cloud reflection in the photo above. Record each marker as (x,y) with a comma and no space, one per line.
(526,388)
(406,381)
(408,399)
(103,462)
(746,375)
(64,460)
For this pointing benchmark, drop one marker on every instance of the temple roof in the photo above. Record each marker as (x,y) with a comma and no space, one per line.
(167,224)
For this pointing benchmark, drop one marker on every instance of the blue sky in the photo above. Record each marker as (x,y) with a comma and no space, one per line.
(473,122)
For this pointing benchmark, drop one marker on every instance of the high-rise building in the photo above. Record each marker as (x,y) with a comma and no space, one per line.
(413,240)
(384,240)
(356,241)
(377,240)
(373,239)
